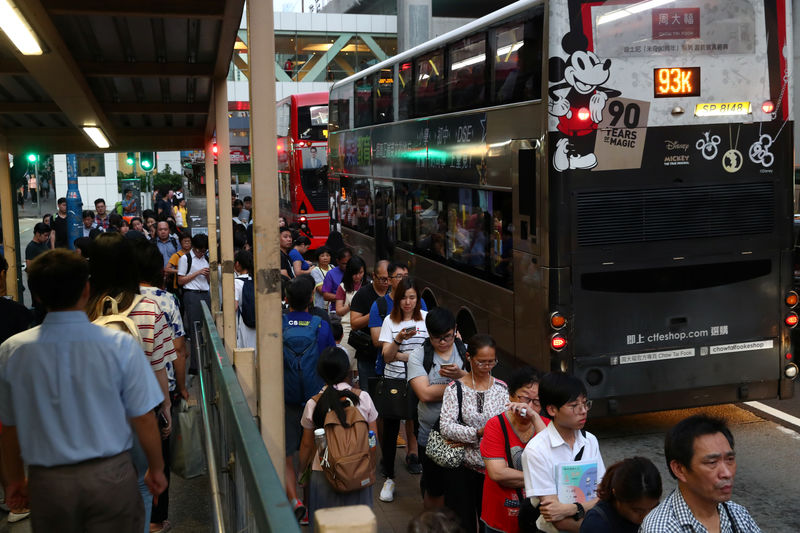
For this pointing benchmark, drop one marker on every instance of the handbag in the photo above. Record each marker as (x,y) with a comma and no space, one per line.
(361,340)
(528,514)
(443,452)
(186,442)
(395,399)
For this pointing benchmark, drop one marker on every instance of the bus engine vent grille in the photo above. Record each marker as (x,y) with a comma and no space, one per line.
(615,217)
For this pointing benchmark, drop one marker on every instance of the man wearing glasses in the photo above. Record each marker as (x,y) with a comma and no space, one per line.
(563,397)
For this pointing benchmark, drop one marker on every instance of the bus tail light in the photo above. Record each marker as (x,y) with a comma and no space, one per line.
(791,320)
(584,114)
(557,320)
(788,356)
(558,342)
(303,220)
(768,107)
(791,299)
(790,371)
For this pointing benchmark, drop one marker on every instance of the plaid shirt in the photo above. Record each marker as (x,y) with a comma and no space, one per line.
(674,516)
(101,223)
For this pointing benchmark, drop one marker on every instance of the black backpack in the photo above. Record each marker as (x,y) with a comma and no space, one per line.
(247,305)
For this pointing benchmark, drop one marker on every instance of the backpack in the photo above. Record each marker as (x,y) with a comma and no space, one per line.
(300,356)
(347,463)
(427,357)
(247,305)
(119,321)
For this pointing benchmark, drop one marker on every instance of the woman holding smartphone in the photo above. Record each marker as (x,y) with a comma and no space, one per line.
(403,330)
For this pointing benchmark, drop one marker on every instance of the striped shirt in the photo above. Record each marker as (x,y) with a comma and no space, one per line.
(169,305)
(156,333)
(674,516)
(389,331)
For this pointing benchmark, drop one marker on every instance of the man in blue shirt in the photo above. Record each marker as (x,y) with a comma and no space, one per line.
(69,393)
(334,277)
(299,295)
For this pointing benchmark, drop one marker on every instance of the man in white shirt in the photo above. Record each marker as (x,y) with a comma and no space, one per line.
(193,275)
(564,441)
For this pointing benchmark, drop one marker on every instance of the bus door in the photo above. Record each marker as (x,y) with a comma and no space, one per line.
(526,168)
(384,222)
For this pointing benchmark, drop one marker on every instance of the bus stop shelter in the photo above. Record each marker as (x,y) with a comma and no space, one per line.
(133,75)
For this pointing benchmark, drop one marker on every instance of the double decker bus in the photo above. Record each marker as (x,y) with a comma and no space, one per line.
(604,187)
(302,121)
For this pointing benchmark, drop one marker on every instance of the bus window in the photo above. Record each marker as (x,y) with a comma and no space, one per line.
(284,114)
(312,122)
(406,206)
(363,98)
(518,61)
(356,206)
(382,83)
(340,112)
(465,77)
(405,85)
(429,90)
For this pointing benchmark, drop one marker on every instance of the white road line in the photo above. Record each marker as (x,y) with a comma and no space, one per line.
(789,419)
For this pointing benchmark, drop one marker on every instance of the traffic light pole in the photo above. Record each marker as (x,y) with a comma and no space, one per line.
(38,186)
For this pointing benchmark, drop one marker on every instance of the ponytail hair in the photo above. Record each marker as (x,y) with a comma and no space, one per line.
(333,367)
(630,480)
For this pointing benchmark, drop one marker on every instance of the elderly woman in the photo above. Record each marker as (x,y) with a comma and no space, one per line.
(483,397)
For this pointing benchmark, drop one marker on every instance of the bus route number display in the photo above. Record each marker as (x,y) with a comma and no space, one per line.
(672,82)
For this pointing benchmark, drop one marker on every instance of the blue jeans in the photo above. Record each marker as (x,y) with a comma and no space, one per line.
(140,464)
(366,370)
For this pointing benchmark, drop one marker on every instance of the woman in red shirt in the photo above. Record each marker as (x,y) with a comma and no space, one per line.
(500,504)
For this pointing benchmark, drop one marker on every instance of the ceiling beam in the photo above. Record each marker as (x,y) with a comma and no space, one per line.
(61,140)
(9,108)
(10,65)
(139,69)
(208,9)
(172,108)
(57,73)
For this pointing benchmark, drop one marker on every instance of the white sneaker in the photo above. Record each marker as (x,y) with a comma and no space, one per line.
(16,517)
(387,492)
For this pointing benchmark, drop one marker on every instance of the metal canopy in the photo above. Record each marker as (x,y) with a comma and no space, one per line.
(142,70)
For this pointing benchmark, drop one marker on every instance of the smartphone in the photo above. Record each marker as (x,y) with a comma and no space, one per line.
(162,420)
(411,329)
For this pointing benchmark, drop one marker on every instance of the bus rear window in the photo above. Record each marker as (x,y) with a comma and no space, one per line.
(312,122)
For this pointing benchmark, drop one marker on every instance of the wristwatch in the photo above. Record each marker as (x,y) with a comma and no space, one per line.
(580,514)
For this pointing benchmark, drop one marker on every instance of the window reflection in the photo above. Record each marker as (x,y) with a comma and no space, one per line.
(466,84)
(518,62)
(429,84)
(404,90)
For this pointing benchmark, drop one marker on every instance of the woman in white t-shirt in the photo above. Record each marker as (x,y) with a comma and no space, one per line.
(243,265)
(403,330)
(351,282)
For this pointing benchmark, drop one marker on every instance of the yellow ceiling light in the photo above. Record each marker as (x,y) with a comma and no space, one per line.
(97,136)
(17,29)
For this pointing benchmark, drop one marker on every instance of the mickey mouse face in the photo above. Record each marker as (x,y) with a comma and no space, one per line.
(585,72)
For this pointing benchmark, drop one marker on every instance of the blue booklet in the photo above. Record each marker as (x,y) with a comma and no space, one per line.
(576,481)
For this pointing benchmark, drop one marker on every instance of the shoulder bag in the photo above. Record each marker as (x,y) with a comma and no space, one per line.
(394,398)
(528,514)
(444,452)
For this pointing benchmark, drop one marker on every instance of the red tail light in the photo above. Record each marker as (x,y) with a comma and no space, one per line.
(558,342)
(768,107)
(791,320)
(303,220)
(791,299)
(584,114)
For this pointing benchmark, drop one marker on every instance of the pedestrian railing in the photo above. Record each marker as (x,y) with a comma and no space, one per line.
(247,495)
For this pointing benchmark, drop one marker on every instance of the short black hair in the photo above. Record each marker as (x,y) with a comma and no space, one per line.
(439,321)
(245,258)
(301,240)
(521,377)
(342,252)
(3,263)
(337,330)
(558,388)
(41,227)
(200,241)
(679,442)
(149,261)
(135,219)
(87,214)
(392,268)
(298,293)
(323,250)
(57,278)
(95,232)
(99,201)
(284,228)
(82,244)
(115,219)
(61,200)
(248,199)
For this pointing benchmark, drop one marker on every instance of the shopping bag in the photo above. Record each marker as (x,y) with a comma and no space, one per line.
(186,443)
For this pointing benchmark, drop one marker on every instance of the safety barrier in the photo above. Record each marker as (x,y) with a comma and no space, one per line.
(247,495)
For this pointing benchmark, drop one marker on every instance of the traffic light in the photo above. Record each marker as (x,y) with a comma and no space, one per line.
(131,159)
(33,158)
(147,160)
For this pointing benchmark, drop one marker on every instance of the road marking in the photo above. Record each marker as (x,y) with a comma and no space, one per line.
(789,419)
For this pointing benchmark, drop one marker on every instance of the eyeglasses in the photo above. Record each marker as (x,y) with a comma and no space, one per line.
(443,338)
(398,276)
(532,401)
(485,364)
(382,280)
(578,405)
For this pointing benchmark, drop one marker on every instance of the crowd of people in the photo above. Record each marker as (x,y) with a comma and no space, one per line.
(492,454)
(368,370)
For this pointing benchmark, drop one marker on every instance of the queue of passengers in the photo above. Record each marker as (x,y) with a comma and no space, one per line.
(67,435)
(362,353)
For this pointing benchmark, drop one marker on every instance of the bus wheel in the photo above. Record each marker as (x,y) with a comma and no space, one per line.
(430,299)
(465,323)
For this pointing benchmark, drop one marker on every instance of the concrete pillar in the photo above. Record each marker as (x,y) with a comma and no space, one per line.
(211,215)
(225,216)
(414,23)
(264,163)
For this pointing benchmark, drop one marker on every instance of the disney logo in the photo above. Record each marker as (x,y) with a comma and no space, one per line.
(675,145)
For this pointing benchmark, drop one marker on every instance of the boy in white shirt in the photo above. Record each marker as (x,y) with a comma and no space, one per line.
(563,397)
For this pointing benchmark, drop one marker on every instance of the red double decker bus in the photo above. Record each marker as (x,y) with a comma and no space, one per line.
(302,121)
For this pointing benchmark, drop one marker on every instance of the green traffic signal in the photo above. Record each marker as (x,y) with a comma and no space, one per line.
(147,161)
(131,159)
(33,158)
